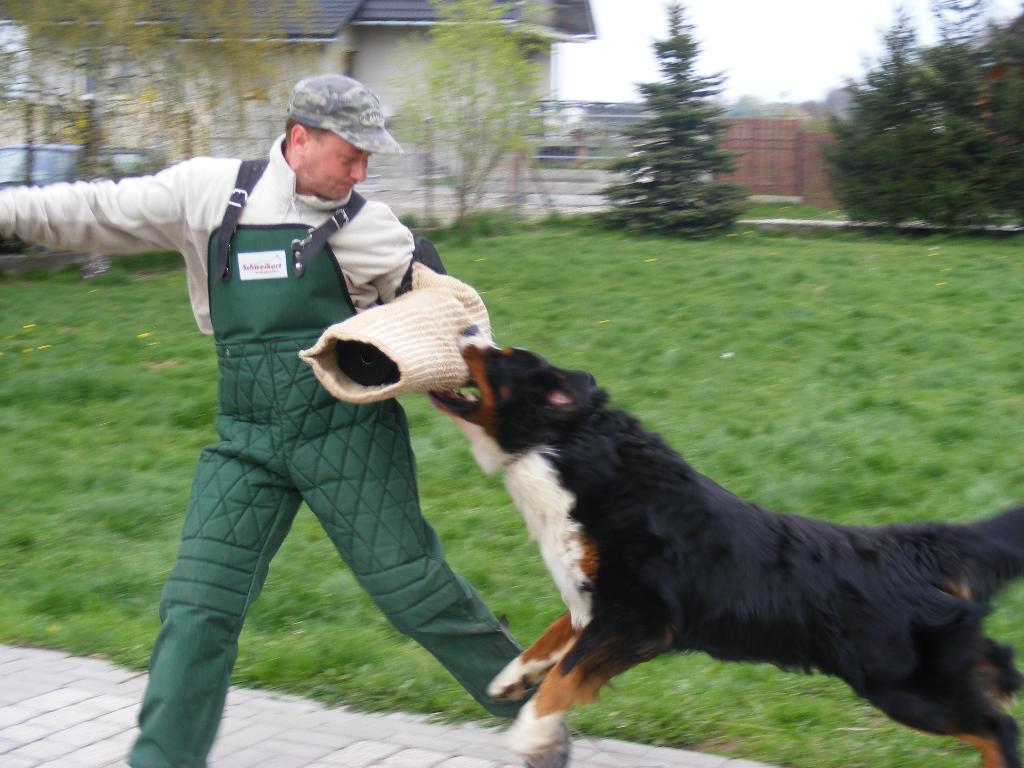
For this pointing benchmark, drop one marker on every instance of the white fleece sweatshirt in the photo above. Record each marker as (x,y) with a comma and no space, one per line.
(178,208)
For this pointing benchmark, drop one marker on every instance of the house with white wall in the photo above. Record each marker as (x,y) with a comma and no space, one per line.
(374,41)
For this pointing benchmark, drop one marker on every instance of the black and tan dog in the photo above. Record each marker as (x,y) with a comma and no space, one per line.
(650,557)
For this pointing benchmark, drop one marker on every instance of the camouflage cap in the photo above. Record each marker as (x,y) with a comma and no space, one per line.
(344,106)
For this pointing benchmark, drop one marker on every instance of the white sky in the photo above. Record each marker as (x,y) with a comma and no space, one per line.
(777,50)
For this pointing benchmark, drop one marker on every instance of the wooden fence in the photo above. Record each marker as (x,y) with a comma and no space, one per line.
(779,158)
(776,157)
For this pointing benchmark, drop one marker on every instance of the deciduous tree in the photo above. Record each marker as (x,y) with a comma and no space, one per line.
(170,62)
(473,95)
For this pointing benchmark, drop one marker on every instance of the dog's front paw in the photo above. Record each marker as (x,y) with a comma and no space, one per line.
(556,756)
(514,692)
(517,679)
(542,741)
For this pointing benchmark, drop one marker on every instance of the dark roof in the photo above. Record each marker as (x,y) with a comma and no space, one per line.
(315,19)
(574,17)
(327,17)
(395,10)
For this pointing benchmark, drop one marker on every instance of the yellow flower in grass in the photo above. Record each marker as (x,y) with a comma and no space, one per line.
(143,335)
(28,327)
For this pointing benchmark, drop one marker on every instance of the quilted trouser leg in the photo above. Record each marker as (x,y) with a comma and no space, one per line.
(238,516)
(366,500)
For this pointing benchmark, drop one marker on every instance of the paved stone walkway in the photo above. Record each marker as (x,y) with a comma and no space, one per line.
(63,711)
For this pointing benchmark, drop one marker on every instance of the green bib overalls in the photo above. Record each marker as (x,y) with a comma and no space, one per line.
(284,440)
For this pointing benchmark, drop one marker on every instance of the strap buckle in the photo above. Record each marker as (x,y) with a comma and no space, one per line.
(238,203)
(334,218)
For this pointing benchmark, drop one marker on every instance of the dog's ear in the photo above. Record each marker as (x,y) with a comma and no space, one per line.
(565,393)
(570,392)
(547,392)
(559,398)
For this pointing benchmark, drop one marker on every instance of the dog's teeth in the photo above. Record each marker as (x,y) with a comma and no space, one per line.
(469,397)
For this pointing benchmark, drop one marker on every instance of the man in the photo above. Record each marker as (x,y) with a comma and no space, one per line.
(267,272)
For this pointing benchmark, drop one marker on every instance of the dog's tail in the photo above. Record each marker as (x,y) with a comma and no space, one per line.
(995,549)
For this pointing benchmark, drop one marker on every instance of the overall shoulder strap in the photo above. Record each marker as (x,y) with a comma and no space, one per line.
(354,205)
(249,172)
(303,250)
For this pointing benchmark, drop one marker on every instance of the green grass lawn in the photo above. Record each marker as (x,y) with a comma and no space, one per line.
(858,379)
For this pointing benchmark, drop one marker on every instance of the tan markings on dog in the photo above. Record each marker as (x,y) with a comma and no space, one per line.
(506,351)
(554,639)
(989,676)
(958,589)
(505,392)
(531,665)
(588,562)
(485,414)
(558,692)
(991,757)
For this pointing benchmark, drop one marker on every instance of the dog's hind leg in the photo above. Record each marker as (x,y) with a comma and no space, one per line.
(992,752)
(999,681)
(989,730)
(995,683)
(999,677)
(998,745)
(529,667)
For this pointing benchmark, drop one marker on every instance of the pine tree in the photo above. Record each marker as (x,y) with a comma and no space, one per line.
(963,158)
(675,154)
(880,147)
(912,148)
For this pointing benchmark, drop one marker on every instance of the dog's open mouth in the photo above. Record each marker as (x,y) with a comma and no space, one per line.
(459,401)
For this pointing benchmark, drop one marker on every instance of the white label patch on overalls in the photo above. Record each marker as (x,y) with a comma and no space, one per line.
(262,265)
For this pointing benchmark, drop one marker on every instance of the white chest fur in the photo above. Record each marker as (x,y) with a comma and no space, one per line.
(533,483)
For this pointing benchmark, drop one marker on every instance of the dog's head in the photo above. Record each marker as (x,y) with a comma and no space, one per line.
(515,400)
